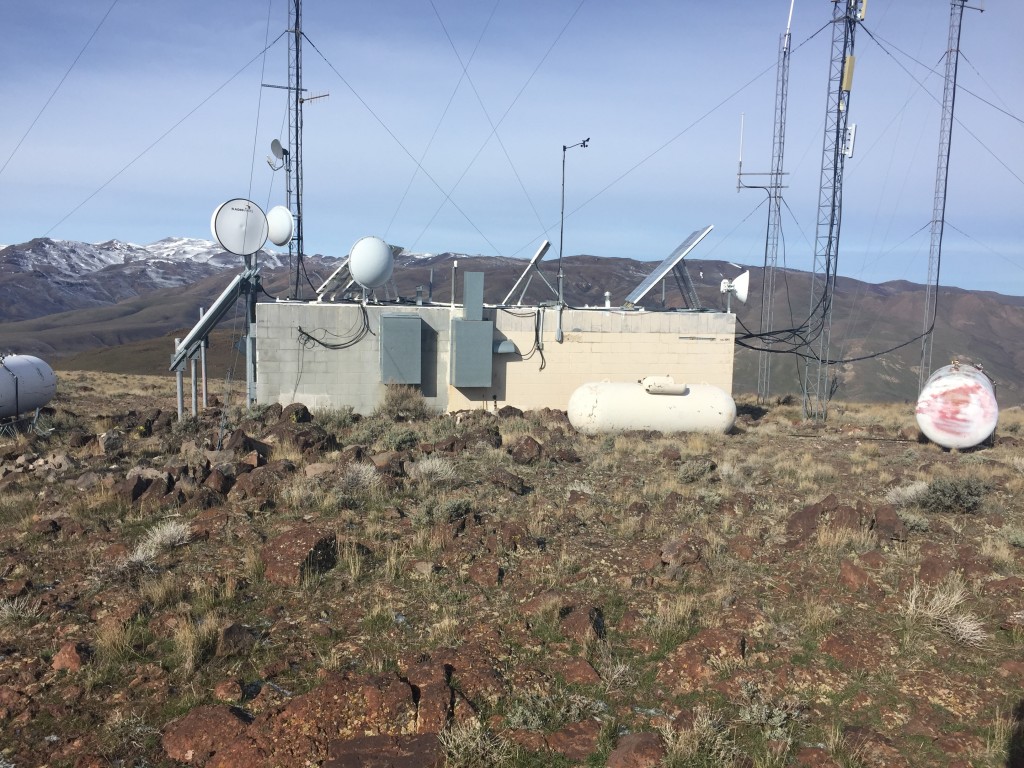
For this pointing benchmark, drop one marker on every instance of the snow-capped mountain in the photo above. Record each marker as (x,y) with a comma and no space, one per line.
(45,276)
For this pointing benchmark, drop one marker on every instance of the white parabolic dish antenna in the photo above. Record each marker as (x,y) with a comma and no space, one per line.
(277,149)
(371,262)
(280,223)
(240,226)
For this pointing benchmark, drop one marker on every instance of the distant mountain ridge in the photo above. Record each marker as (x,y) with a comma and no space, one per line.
(72,301)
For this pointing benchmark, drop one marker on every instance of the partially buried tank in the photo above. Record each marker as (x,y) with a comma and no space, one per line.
(654,403)
(957,407)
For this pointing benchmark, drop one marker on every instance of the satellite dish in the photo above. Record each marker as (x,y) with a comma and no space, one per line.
(277,149)
(371,262)
(739,288)
(280,224)
(240,226)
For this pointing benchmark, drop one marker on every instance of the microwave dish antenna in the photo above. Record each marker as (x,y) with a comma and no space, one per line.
(371,262)
(280,225)
(738,287)
(240,226)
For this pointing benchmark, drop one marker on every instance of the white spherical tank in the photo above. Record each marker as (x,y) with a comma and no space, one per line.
(26,383)
(655,403)
(957,407)
(371,262)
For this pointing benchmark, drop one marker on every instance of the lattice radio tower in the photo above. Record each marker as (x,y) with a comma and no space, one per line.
(941,184)
(774,189)
(836,147)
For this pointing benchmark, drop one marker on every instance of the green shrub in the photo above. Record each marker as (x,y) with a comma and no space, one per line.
(954,495)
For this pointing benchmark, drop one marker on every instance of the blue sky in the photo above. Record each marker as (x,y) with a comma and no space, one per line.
(658,86)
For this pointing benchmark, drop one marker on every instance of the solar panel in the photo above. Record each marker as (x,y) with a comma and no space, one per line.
(663,269)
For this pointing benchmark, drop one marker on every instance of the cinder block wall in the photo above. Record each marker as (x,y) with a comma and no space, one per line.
(597,344)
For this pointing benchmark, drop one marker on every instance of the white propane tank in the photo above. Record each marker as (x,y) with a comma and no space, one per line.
(957,407)
(26,383)
(654,403)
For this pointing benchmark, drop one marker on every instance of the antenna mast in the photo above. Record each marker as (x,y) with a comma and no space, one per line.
(294,170)
(836,147)
(774,189)
(941,184)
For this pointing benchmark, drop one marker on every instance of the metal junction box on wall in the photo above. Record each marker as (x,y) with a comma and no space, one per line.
(472,352)
(401,349)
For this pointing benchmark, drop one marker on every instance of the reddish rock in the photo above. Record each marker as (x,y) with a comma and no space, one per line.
(229,691)
(485,573)
(235,640)
(131,488)
(218,482)
(507,480)
(687,668)
(302,552)
(933,570)
(804,522)
(202,733)
(422,751)
(71,656)
(576,741)
(815,757)
(261,484)
(888,524)
(1012,585)
(847,517)
(637,750)
(853,577)
(525,450)
(583,624)
(575,671)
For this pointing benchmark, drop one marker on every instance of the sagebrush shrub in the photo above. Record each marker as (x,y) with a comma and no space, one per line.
(956,495)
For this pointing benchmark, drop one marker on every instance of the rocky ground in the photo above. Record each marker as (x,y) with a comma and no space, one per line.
(494,589)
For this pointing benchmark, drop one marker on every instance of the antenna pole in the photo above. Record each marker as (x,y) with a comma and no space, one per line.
(941,184)
(294,170)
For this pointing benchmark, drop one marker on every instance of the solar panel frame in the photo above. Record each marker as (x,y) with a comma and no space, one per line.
(662,270)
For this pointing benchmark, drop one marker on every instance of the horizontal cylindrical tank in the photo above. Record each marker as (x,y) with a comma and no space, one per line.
(655,403)
(957,407)
(26,383)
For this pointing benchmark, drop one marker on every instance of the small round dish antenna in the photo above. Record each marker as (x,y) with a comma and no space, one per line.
(281,224)
(371,262)
(240,226)
(277,149)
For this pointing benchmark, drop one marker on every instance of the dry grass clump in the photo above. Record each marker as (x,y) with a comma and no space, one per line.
(434,471)
(161,591)
(471,744)
(194,641)
(939,607)
(902,496)
(836,539)
(707,743)
(16,611)
(165,535)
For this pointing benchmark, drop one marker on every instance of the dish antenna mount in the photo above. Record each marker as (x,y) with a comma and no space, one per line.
(738,287)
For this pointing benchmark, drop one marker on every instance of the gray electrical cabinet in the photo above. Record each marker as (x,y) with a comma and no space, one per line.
(401,349)
(472,352)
